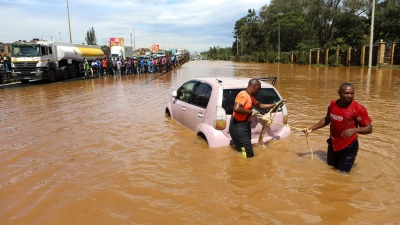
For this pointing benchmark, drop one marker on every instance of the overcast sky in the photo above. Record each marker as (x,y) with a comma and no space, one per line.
(194,25)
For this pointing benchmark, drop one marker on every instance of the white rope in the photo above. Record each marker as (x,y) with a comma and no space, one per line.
(268,120)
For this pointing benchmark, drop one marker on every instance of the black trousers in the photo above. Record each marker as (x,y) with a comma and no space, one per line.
(343,159)
(241,136)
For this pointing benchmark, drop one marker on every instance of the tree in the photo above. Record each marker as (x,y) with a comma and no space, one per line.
(387,21)
(248,32)
(91,37)
(238,32)
(293,30)
(352,29)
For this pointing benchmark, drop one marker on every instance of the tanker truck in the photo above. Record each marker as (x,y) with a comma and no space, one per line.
(51,61)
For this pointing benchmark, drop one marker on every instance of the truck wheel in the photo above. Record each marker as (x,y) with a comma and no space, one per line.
(65,73)
(72,70)
(51,76)
(24,81)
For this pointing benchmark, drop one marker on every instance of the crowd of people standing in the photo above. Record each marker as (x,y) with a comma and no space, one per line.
(130,66)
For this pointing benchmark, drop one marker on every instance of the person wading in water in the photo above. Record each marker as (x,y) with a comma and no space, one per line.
(239,127)
(347,119)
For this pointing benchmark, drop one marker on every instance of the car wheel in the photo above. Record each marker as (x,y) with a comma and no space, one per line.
(167,113)
(201,139)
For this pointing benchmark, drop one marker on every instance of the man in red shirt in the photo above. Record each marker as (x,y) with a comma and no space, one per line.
(347,119)
(239,127)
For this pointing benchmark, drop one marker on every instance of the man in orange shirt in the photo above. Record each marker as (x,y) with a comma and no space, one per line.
(104,65)
(239,127)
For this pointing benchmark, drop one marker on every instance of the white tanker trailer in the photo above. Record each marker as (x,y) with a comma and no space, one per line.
(47,60)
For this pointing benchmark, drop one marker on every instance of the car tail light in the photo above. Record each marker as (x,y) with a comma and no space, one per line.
(220,118)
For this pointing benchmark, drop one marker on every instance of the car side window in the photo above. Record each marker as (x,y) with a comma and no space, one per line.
(185,91)
(201,95)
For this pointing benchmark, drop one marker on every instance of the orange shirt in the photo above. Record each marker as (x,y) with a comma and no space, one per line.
(247,101)
(104,63)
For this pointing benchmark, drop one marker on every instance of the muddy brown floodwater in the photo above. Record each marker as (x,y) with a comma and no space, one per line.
(101,151)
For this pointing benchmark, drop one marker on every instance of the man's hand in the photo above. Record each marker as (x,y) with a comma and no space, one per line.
(254,112)
(348,133)
(307,130)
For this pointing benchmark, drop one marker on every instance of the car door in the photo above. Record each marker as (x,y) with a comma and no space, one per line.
(179,104)
(197,106)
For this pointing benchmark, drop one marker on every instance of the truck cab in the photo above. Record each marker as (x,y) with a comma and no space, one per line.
(31,60)
(117,52)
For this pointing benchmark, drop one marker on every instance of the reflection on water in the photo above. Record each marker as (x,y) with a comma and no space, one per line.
(101,151)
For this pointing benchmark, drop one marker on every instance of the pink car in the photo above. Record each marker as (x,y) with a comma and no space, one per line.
(205,106)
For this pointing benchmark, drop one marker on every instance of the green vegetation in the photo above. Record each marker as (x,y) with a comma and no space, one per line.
(301,25)
(91,37)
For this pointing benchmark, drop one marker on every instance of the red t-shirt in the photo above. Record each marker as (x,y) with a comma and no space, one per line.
(355,115)
(247,101)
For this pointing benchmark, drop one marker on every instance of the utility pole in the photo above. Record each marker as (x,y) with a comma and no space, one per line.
(69,25)
(371,38)
(241,44)
(279,35)
(134,41)
(237,47)
(279,40)
(226,52)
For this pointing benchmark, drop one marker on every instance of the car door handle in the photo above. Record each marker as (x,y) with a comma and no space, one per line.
(183,109)
(200,115)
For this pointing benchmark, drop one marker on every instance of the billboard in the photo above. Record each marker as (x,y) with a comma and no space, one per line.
(116,42)
(155,48)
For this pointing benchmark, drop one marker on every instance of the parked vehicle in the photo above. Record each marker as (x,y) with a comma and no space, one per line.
(47,60)
(174,51)
(161,54)
(205,106)
(121,52)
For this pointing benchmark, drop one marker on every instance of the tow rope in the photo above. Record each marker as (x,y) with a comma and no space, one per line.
(268,119)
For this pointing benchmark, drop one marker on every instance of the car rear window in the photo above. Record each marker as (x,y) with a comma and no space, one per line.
(265,96)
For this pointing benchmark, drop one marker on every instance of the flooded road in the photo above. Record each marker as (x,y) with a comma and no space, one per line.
(101,151)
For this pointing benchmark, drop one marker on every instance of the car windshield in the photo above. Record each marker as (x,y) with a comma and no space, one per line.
(265,96)
(25,50)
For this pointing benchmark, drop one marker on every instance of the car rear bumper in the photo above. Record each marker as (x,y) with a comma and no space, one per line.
(216,138)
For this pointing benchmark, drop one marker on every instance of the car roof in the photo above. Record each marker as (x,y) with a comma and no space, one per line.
(232,82)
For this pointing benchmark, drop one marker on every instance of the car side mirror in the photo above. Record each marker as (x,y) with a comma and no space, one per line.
(174,94)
